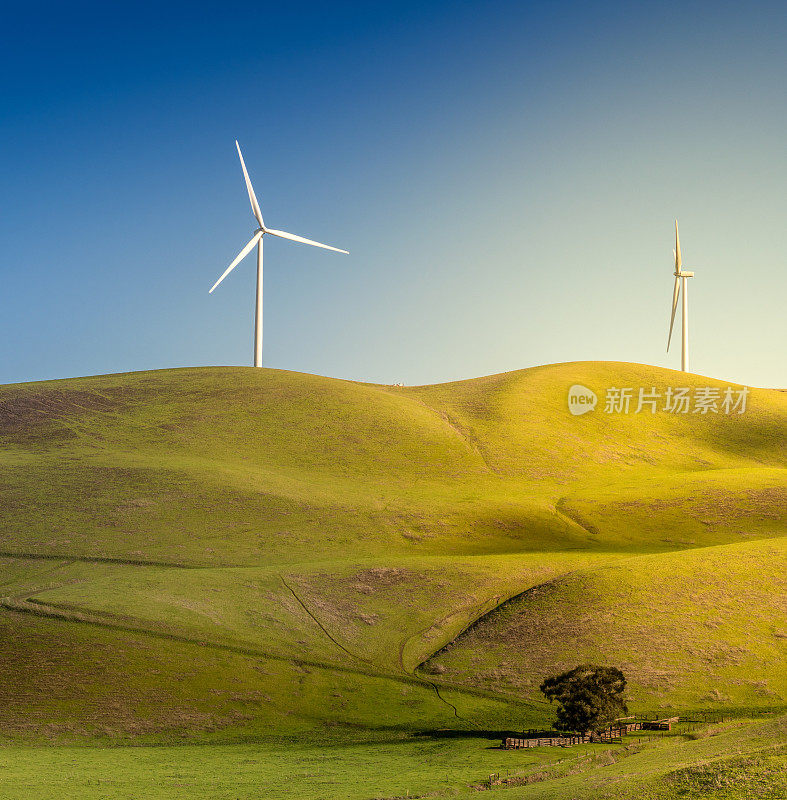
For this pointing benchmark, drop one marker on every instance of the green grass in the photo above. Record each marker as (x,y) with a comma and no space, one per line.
(223,556)
(738,760)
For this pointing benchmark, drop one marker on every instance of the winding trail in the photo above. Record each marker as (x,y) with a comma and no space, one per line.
(447,702)
(320,625)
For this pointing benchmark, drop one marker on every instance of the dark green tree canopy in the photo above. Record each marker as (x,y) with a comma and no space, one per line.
(589,697)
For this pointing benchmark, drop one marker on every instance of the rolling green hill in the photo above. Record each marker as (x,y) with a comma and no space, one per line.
(225,554)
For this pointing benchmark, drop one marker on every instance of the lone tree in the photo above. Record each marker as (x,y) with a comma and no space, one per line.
(589,697)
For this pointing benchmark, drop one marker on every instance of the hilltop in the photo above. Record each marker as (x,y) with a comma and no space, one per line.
(220,553)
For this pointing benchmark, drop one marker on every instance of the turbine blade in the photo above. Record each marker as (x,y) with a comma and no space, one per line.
(678,261)
(243,253)
(294,238)
(675,293)
(255,206)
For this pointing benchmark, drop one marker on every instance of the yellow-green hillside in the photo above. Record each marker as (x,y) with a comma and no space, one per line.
(234,552)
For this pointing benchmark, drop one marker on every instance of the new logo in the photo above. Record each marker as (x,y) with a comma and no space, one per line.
(581,399)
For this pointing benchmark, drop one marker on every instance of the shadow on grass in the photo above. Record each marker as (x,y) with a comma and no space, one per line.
(475,733)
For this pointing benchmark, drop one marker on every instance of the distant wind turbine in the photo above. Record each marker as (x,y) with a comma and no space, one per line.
(257,239)
(680,277)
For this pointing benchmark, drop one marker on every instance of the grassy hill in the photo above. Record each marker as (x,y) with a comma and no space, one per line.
(700,628)
(214,555)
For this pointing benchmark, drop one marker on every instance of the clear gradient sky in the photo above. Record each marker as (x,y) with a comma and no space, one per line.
(504,174)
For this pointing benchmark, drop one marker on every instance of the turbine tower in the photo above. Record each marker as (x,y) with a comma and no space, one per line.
(257,239)
(681,277)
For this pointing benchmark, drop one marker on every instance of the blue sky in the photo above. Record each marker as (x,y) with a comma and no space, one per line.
(504,174)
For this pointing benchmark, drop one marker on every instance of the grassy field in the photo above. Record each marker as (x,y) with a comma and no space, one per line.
(232,561)
(743,759)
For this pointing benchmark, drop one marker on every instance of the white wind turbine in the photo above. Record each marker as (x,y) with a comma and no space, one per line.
(680,277)
(257,239)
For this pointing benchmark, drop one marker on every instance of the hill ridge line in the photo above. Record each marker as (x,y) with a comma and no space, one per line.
(385,386)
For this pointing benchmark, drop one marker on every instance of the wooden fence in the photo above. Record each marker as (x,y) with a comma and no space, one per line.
(550,741)
(610,734)
(659,724)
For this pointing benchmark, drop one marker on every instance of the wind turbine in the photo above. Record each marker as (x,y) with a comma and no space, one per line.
(680,277)
(257,239)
